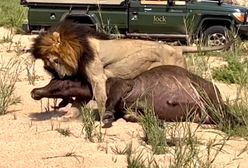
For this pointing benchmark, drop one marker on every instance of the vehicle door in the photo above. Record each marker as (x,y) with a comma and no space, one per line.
(157,16)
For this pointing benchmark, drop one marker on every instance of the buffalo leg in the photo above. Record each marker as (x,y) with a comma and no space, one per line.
(117,91)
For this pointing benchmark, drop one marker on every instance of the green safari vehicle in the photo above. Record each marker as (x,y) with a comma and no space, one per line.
(210,20)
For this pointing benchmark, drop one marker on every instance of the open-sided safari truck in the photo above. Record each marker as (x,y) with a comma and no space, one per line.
(159,19)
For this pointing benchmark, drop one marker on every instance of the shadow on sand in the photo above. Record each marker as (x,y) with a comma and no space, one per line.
(42,116)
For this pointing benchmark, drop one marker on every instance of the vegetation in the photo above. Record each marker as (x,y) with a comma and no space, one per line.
(65,132)
(9,72)
(12,14)
(88,120)
(92,131)
(136,158)
(235,71)
(239,108)
(153,129)
(138,161)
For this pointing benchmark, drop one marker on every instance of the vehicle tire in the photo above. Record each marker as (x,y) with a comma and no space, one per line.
(25,28)
(216,35)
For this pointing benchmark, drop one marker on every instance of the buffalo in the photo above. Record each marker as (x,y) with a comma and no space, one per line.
(174,93)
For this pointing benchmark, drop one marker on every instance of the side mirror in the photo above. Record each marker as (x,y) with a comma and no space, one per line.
(170,2)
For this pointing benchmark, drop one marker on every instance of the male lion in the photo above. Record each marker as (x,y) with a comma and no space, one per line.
(71,49)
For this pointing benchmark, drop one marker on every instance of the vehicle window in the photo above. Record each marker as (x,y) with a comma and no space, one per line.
(162,2)
(153,2)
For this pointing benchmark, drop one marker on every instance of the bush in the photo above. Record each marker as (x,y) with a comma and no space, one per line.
(9,73)
(153,131)
(234,72)
(12,14)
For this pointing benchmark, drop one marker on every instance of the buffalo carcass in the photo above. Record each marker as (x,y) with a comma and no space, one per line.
(174,93)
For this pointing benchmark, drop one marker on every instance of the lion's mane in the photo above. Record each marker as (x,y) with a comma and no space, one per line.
(68,41)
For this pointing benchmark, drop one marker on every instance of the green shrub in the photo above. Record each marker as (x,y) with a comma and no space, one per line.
(234,72)
(153,130)
(88,119)
(12,14)
(240,109)
(9,72)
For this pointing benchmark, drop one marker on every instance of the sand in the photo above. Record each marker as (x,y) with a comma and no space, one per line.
(29,137)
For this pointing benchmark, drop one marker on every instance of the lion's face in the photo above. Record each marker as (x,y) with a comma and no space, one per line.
(54,65)
(60,55)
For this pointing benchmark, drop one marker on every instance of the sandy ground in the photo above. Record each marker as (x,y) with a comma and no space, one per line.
(28,136)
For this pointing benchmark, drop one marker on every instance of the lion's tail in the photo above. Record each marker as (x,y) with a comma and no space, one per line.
(189,49)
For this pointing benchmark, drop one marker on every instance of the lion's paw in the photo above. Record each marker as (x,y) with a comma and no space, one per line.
(131,117)
(71,114)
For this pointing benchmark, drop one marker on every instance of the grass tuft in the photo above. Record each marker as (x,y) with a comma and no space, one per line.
(88,119)
(234,72)
(9,72)
(154,131)
(12,14)
(138,160)
(65,132)
(126,151)
(90,129)
(240,109)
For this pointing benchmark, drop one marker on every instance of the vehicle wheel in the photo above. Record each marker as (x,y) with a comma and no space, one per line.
(25,28)
(215,36)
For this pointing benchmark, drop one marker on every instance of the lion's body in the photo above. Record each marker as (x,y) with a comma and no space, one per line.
(128,58)
(70,49)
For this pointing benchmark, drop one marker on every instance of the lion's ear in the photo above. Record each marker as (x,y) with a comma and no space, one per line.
(56,36)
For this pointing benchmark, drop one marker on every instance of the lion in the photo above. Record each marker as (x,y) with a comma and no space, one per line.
(70,49)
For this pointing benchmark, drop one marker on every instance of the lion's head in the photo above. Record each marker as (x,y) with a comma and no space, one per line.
(63,46)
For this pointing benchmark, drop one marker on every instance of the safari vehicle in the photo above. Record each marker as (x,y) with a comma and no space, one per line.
(158,19)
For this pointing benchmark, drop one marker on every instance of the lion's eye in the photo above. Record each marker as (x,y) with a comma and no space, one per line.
(56,61)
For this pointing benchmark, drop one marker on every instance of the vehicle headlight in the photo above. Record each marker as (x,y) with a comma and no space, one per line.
(240,16)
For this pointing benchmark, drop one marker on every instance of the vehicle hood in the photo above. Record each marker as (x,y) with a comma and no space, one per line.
(214,6)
